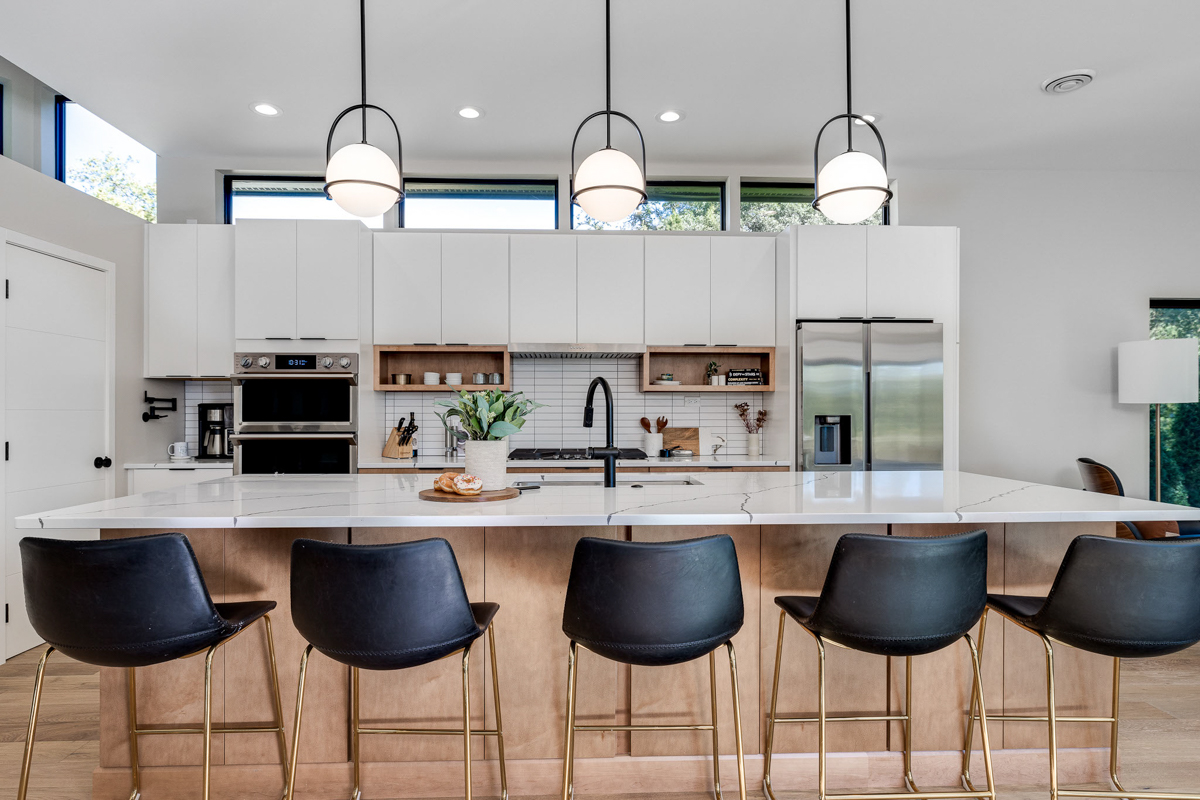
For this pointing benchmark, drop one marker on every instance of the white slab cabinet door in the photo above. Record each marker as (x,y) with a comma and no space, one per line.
(611,286)
(831,271)
(171,300)
(265,279)
(327,279)
(677,290)
(214,301)
(408,288)
(912,272)
(542,288)
(743,291)
(475,288)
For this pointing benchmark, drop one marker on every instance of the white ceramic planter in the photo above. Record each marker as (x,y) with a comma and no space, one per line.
(487,460)
(754,445)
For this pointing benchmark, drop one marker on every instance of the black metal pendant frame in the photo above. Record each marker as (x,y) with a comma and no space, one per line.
(850,118)
(608,114)
(364,106)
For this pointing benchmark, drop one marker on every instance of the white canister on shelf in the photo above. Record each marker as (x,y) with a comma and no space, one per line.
(488,461)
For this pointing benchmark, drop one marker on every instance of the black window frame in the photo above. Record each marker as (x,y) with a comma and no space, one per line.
(723,186)
(230,177)
(810,185)
(1,118)
(550,182)
(60,137)
(1175,302)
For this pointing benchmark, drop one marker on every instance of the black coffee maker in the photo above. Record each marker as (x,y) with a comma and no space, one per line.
(216,424)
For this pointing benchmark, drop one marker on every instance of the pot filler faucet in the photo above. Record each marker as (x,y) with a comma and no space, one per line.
(609,451)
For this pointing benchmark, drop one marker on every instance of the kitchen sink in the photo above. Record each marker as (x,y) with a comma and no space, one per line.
(627,483)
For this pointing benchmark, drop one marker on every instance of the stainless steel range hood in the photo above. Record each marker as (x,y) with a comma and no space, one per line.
(569,350)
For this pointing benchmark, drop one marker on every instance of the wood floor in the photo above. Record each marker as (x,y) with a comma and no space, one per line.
(1160,731)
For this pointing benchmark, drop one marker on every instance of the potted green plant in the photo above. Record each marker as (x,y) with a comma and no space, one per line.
(485,420)
(710,373)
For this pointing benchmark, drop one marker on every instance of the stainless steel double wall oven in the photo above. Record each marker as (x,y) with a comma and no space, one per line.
(295,413)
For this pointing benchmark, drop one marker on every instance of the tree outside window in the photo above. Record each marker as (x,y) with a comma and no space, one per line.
(1176,319)
(775,207)
(108,164)
(670,206)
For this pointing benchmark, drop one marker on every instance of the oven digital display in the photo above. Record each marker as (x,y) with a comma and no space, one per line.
(295,362)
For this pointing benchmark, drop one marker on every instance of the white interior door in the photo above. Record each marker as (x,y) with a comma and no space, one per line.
(57,384)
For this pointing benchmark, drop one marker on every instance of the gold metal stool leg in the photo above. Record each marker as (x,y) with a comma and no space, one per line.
(908,775)
(976,691)
(208,659)
(712,684)
(278,697)
(1050,718)
(131,680)
(774,706)
(291,782)
(499,722)
(466,684)
(355,743)
(821,744)
(33,713)
(569,738)
(977,697)
(737,722)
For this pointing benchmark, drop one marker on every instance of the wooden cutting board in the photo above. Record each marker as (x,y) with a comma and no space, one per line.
(686,438)
(438,496)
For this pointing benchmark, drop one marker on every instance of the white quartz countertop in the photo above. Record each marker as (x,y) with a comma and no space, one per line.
(187,463)
(441,462)
(722,498)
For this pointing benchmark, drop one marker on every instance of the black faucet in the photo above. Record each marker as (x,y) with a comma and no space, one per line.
(609,452)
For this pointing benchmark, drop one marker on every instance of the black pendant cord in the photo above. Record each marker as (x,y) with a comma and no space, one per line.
(362,55)
(849,87)
(608,73)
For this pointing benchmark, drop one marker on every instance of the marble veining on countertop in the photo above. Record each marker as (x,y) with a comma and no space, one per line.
(721,498)
(190,463)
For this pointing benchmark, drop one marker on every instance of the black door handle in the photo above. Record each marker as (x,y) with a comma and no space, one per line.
(101,462)
(107,462)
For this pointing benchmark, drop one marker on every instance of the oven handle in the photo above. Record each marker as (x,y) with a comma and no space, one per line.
(238,438)
(351,378)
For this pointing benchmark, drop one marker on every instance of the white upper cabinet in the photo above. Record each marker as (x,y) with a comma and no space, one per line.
(296,279)
(542,304)
(475,288)
(407,295)
(743,291)
(214,345)
(265,279)
(912,272)
(327,279)
(677,290)
(171,307)
(189,301)
(831,271)
(611,281)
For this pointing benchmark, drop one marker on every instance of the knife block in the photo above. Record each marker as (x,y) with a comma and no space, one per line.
(393,449)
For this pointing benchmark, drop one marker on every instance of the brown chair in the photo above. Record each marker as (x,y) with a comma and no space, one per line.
(1102,479)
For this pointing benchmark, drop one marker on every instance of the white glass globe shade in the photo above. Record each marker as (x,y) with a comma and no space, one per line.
(852,169)
(609,167)
(363,162)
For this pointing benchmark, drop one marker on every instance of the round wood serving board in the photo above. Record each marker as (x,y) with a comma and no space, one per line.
(438,496)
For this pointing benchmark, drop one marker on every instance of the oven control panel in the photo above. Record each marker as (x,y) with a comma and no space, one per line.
(295,363)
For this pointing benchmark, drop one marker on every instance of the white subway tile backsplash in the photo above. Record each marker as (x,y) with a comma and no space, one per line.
(561,384)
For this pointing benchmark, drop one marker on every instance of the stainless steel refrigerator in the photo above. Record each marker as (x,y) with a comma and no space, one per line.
(870,395)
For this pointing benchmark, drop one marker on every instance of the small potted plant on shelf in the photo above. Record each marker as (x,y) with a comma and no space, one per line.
(753,427)
(710,374)
(486,420)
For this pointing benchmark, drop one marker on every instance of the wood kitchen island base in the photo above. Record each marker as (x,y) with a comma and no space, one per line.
(525,569)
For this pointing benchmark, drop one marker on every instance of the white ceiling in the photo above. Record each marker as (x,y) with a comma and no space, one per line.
(956,82)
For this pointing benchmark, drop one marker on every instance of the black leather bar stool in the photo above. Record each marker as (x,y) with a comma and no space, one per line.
(651,605)
(134,603)
(389,607)
(890,596)
(1123,598)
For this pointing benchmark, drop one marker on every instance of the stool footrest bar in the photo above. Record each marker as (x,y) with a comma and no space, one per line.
(643,728)
(427,731)
(847,719)
(249,729)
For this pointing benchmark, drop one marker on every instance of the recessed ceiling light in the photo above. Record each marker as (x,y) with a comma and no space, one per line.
(868,118)
(671,115)
(266,109)
(470,112)
(1071,81)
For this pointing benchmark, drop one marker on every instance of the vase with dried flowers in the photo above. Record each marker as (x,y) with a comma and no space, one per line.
(754,427)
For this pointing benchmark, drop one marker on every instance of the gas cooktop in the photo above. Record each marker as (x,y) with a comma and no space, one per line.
(575,454)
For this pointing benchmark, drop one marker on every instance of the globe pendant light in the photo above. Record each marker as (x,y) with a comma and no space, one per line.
(360,177)
(852,186)
(609,185)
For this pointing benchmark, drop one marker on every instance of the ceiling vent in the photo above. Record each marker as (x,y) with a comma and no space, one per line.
(1073,80)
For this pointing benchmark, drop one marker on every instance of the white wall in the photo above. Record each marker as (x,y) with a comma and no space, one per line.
(38,205)
(1056,269)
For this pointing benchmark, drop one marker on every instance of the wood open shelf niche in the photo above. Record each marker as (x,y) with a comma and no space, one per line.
(688,364)
(417,359)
